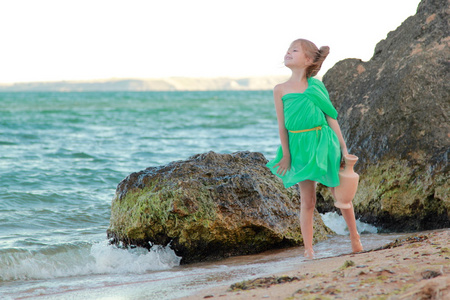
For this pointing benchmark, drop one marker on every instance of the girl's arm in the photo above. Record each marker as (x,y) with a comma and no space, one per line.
(337,129)
(284,164)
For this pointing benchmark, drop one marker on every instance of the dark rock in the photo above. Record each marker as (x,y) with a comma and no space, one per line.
(393,112)
(208,207)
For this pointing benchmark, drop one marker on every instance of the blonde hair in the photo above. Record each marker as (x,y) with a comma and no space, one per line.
(316,55)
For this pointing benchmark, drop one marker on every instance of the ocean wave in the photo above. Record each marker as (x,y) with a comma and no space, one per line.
(83,259)
(337,223)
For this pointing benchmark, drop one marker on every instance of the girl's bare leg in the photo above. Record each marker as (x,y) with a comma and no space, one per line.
(349,217)
(308,204)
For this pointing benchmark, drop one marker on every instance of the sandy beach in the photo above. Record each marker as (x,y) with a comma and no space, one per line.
(417,267)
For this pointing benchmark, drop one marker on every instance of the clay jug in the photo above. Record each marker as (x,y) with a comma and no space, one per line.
(345,192)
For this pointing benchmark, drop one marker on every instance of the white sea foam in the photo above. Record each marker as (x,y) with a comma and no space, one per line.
(85,259)
(337,223)
(110,259)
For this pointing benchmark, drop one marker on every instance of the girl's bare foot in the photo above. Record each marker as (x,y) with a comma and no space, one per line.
(309,253)
(356,244)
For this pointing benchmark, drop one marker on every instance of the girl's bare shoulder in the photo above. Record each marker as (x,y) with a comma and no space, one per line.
(279,89)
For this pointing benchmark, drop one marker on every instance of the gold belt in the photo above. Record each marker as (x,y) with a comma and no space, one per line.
(306,130)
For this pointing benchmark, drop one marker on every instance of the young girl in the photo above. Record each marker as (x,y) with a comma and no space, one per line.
(311,139)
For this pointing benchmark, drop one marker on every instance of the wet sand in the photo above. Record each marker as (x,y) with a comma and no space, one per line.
(417,267)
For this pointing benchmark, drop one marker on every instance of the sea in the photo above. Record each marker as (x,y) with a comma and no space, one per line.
(62,155)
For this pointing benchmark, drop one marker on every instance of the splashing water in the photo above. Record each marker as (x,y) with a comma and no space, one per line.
(337,223)
(84,259)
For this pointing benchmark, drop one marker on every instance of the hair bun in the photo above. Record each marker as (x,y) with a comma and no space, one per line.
(324,51)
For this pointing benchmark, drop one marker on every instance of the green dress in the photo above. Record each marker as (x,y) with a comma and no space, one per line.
(315,154)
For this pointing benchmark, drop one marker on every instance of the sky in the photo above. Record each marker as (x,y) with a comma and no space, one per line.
(52,40)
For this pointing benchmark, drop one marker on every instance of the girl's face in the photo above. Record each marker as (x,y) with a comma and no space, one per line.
(295,57)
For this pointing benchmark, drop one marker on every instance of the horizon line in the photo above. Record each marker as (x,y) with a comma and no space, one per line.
(105,79)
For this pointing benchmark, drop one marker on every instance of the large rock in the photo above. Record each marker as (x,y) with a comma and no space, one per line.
(209,206)
(394,116)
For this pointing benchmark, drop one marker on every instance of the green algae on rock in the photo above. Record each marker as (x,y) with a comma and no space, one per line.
(209,207)
(391,195)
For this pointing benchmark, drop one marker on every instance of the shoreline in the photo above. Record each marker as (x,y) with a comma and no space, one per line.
(417,267)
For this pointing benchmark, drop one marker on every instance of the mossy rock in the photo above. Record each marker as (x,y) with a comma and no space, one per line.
(209,207)
(393,112)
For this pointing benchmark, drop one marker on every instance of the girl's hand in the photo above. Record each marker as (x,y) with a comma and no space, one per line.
(283,166)
(342,165)
(344,152)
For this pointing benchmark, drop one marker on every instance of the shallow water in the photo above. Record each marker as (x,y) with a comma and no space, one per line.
(180,281)
(61,158)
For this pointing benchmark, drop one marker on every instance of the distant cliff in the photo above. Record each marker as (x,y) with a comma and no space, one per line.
(163,84)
